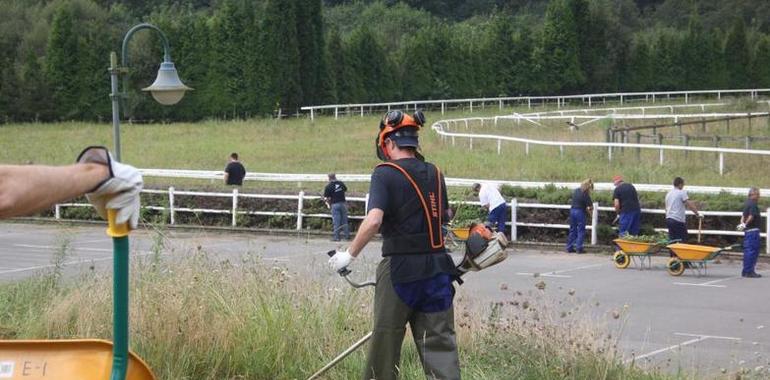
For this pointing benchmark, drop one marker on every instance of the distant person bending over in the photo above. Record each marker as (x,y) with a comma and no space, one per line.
(106,183)
(491,199)
(234,171)
(581,205)
(750,224)
(334,196)
(626,202)
(677,201)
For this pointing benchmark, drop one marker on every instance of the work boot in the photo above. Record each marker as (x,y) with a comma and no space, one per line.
(752,275)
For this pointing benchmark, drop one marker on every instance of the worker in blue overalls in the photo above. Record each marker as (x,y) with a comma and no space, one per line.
(750,224)
(581,206)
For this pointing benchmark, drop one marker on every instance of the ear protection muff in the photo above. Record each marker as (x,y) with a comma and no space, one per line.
(419,117)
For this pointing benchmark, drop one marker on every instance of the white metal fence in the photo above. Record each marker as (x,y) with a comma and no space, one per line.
(441,127)
(642,109)
(514,220)
(530,101)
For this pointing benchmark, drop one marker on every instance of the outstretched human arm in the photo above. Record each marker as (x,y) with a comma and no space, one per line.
(30,188)
(106,183)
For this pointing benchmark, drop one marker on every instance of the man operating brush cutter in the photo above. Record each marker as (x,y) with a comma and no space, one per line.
(407,205)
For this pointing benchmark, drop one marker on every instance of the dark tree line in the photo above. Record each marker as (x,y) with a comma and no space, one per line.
(250,58)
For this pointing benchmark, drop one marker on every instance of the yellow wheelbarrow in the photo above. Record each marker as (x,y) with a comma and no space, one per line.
(631,250)
(455,237)
(692,256)
(83,359)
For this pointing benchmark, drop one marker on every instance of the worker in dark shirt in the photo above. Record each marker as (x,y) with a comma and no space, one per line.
(334,196)
(750,224)
(581,205)
(407,204)
(234,171)
(626,202)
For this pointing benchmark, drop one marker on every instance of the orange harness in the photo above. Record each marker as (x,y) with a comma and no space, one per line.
(431,202)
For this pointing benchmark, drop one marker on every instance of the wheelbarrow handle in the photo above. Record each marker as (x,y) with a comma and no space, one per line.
(700,227)
(114,229)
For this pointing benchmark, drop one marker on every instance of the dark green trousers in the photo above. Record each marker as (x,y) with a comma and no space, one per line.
(433,334)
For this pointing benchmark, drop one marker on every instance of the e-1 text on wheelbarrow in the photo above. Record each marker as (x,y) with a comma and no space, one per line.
(637,251)
(692,256)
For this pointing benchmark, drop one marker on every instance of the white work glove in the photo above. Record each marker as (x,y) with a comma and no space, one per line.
(741,227)
(341,259)
(119,192)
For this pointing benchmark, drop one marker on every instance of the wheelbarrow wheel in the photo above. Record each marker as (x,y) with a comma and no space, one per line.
(621,259)
(675,266)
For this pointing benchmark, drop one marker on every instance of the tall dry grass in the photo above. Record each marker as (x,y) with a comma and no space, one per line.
(199,317)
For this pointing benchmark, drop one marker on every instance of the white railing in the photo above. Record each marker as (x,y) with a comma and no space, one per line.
(532,118)
(643,109)
(440,127)
(560,101)
(513,222)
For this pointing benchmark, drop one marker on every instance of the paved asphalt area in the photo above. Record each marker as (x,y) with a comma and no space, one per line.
(699,324)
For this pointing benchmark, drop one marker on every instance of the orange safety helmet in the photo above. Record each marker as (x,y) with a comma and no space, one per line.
(395,122)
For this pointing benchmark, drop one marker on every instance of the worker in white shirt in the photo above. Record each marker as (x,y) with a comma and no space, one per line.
(493,201)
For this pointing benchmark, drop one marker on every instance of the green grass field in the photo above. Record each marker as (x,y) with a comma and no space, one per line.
(347,146)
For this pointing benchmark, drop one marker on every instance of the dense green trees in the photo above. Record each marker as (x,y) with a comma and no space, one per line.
(62,66)
(250,58)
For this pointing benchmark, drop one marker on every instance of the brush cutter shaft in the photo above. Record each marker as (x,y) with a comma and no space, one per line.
(341,356)
(344,272)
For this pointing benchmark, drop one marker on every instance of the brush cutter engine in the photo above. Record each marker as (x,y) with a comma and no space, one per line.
(483,249)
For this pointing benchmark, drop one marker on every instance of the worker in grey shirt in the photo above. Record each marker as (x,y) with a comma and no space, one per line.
(677,203)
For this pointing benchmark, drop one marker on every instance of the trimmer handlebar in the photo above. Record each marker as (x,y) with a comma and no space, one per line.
(344,272)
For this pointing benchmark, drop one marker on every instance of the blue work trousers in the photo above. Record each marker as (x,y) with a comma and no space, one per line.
(630,223)
(340,220)
(577,229)
(676,230)
(750,250)
(497,217)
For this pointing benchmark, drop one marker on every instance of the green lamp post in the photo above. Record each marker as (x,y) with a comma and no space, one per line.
(167,88)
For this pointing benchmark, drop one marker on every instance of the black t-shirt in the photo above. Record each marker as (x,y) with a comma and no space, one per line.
(389,189)
(581,199)
(235,173)
(336,191)
(629,199)
(751,208)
